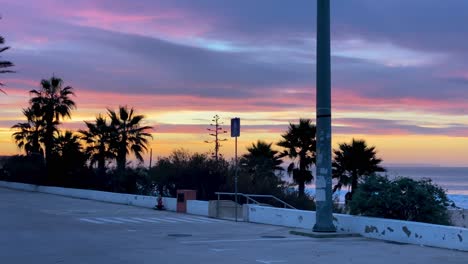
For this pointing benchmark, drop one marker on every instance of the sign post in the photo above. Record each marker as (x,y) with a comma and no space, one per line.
(235,133)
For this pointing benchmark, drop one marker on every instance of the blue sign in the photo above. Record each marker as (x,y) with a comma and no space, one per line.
(235,127)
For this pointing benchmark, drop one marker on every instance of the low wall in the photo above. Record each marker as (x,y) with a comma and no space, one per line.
(280,216)
(197,207)
(119,198)
(378,228)
(225,209)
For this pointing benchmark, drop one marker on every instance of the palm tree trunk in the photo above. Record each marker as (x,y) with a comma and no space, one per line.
(354,181)
(301,188)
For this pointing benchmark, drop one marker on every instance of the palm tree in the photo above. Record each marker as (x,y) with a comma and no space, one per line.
(98,139)
(300,145)
(128,135)
(262,163)
(261,156)
(353,161)
(30,135)
(54,101)
(4,65)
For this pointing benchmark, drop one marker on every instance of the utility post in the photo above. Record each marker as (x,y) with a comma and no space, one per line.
(235,132)
(323,193)
(215,131)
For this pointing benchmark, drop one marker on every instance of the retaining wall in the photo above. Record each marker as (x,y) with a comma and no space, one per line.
(378,228)
(196,207)
(120,198)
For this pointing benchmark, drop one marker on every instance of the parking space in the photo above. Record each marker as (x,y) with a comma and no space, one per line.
(41,228)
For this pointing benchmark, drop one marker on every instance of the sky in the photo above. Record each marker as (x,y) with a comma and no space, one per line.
(399,69)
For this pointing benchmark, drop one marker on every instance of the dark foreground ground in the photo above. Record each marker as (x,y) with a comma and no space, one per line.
(42,228)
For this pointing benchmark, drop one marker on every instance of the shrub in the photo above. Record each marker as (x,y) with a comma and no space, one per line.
(25,169)
(401,198)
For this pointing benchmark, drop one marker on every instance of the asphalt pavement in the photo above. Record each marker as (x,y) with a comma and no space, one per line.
(43,228)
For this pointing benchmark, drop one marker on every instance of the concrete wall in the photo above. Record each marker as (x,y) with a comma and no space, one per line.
(280,216)
(197,207)
(378,228)
(120,198)
(224,209)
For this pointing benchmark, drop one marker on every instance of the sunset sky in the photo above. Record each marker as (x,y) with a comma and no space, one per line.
(399,69)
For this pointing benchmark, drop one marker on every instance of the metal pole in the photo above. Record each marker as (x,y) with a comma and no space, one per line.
(323,193)
(235,179)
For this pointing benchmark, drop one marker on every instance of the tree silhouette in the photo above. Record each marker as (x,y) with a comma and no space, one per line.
(353,161)
(128,135)
(30,135)
(98,140)
(55,103)
(300,145)
(262,163)
(4,65)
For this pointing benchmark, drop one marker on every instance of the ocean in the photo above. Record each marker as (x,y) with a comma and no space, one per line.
(452,179)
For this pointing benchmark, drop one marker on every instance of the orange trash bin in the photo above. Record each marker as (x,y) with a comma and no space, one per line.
(182,197)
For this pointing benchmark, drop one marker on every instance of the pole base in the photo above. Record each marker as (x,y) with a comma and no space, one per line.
(324,228)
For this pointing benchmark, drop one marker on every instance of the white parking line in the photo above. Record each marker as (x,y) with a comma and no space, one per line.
(108,220)
(145,220)
(179,219)
(163,220)
(126,220)
(209,219)
(194,219)
(90,221)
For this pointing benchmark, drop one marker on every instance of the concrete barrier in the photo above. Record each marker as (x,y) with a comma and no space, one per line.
(378,228)
(224,209)
(119,198)
(197,207)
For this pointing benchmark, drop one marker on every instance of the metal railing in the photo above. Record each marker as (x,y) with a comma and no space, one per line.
(249,198)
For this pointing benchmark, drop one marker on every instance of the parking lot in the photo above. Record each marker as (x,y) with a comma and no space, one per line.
(42,228)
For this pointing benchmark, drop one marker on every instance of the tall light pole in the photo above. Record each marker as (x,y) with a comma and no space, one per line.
(323,193)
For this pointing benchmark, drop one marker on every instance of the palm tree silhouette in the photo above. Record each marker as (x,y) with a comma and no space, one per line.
(128,135)
(4,65)
(300,145)
(261,162)
(55,103)
(30,135)
(353,161)
(261,155)
(68,148)
(98,140)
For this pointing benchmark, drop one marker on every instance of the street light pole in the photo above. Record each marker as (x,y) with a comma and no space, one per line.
(323,193)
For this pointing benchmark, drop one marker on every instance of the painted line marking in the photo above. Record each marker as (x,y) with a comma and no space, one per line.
(194,219)
(90,221)
(145,220)
(179,219)
(209,219)
(243,240)
(108,220)
(164,220)
(221,249)
(126,220)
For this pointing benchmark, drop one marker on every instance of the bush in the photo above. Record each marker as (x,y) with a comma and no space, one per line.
(26,169)
(401,198)
(301,202)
